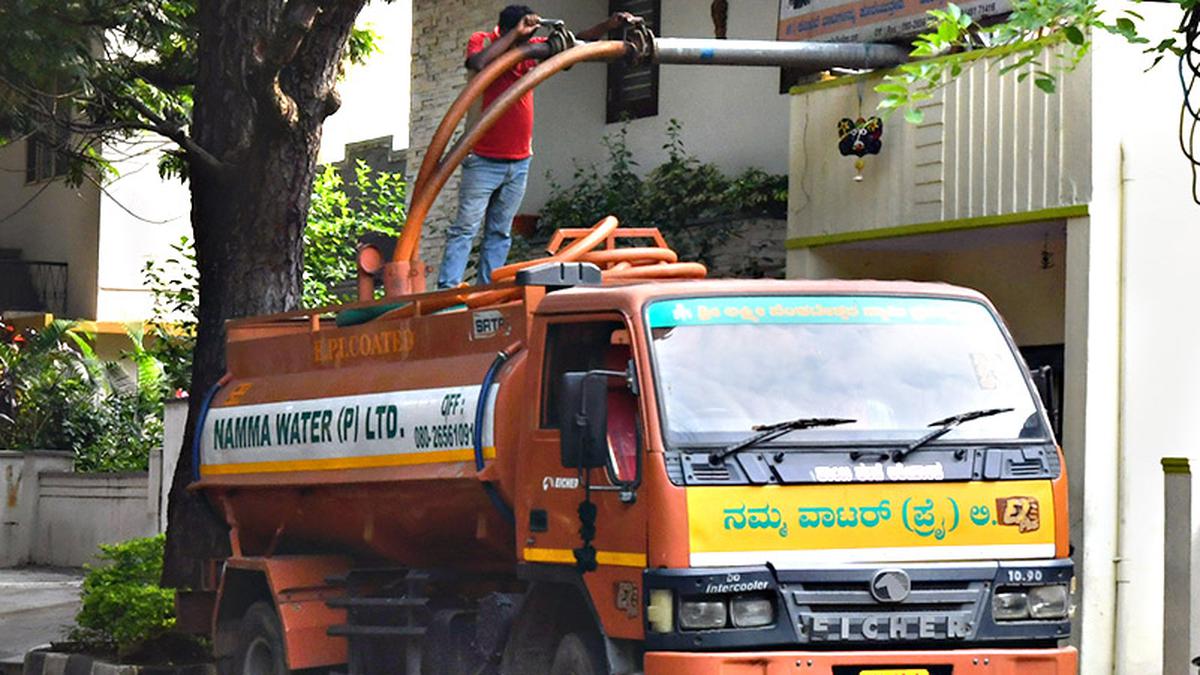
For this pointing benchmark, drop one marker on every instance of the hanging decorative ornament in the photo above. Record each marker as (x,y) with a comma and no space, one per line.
(860,138)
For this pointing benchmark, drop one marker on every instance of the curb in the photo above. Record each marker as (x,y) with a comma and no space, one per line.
(52,663)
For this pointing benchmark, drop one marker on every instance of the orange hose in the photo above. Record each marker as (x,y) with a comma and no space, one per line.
(606,50)
(466,98)
(679,270)
(596,236)
(631,255)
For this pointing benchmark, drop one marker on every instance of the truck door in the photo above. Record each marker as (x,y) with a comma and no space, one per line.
(549,494)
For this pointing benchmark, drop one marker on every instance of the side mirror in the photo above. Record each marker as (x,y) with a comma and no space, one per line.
(1043,379)
(583,420)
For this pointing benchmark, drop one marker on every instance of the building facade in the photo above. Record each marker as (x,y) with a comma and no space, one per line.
(736,118)
(1073,213)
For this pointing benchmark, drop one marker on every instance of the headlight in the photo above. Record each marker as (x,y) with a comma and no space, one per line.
(749,611)
(660,612)
(1037,602)
(1049,602)
(1010,606)
(699,614)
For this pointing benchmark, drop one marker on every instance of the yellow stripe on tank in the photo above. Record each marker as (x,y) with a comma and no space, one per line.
(333,463)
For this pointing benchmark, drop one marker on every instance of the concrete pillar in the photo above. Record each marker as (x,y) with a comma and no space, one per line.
(174,420)
(1177,565)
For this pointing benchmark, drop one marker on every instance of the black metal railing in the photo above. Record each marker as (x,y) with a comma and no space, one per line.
(33,286)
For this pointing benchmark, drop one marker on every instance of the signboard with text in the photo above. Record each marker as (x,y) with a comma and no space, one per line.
(868,20)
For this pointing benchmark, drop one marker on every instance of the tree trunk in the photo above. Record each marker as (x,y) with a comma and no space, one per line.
(264,88)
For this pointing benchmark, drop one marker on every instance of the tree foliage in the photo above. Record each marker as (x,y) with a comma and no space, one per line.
(1042,39)
(57,394)
(174,286)
(336,220)
(80,75)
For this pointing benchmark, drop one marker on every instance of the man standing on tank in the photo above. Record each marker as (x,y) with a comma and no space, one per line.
(494,174)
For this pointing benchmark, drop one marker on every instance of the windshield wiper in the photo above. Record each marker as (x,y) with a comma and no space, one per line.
(945,426)
(767,432)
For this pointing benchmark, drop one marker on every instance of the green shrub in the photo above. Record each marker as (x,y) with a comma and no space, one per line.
(56,394)
(691,202)
(123,605)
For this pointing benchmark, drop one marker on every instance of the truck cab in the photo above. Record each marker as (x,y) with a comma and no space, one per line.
(839,475)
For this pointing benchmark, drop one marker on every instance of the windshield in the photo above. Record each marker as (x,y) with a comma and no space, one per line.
(894,364)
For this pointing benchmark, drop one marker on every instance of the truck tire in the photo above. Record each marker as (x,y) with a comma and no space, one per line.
(579,654)
(260,649)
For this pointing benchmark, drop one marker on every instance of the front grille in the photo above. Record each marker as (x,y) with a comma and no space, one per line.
(845,610)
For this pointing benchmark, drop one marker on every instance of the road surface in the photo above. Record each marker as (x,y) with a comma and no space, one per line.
(37,605)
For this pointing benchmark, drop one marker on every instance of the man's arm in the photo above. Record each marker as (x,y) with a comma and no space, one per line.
(601,29)
(521,33)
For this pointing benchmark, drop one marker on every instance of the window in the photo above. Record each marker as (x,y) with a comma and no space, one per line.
(633,90)
(43,158)
(595,345)
(573,347)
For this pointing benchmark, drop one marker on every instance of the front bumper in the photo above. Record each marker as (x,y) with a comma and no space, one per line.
(1061,661)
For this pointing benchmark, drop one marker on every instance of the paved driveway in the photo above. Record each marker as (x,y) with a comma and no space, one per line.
(36,606)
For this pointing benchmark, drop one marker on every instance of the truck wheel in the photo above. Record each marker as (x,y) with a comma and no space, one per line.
(260,649)
(579,654)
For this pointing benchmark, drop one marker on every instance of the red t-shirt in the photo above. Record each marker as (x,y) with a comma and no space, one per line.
(512,135)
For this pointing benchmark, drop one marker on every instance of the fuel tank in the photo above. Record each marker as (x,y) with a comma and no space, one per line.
(364,437)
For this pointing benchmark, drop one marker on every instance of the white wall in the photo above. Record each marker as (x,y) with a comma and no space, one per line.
(1159,381)
(19,492)
(734,117)
(988,146)
(77,512)
(375,94)
(141,215)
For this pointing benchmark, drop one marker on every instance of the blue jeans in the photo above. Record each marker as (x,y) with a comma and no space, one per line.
(490,192)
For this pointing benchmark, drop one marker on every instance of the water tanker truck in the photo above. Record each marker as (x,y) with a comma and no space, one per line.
(605,463)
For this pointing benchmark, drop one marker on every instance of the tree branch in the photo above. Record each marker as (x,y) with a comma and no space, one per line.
(176,133)
(276,51)
(312,76)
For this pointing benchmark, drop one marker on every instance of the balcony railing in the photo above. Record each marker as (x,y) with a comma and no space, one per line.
(33,286)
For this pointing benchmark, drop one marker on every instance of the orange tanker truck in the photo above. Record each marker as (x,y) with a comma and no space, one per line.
(605,463)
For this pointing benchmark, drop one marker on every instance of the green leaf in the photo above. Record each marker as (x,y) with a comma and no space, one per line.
(1074,35)
(914,115)
(891,88)
(1046,84)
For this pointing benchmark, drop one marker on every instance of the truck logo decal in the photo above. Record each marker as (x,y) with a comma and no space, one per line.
(923,626)
(891,585)
(488,323)
(1021,512)
(559,483)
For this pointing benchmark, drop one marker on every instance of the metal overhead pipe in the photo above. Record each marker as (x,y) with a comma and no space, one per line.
(820,55)
(405,273)
(607,50)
